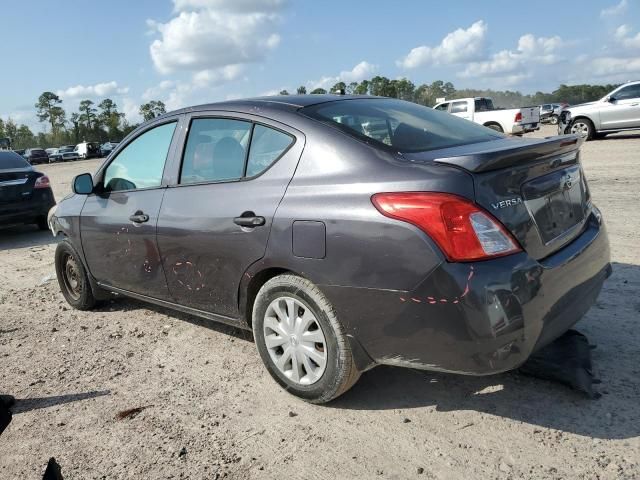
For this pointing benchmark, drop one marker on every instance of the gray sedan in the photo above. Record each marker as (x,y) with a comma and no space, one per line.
(345,232)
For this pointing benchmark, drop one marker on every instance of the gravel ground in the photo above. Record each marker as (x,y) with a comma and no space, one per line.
(210,410)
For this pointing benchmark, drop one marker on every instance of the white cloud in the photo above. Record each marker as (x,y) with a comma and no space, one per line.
(359,72)
(97,90)
(457,47)
(213,34)
(623,36)
(531,51)
(615,10)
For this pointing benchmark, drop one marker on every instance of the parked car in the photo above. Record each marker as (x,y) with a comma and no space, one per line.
(515,121)
(25,194)
(54,154)
(550,112)
(107,148)
(437,244)
(35,156)
(615,112)
(68,153)
(88,150)
(20,152)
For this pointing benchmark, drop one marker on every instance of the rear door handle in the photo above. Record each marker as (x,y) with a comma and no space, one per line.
(250,220)
(139,217)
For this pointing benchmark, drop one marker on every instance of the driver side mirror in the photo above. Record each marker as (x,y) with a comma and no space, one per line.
(611,99)
(83,184)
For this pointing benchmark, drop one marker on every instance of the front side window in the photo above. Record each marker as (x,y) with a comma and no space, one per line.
(459,107)
(632,91)
(141,163)
(411,127)
(443,107)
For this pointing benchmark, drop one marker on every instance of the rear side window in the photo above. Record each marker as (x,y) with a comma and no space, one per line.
(411,127)
(459,107)
(10,159)
(141,163)
(216,150)
(267,145)
(220,149)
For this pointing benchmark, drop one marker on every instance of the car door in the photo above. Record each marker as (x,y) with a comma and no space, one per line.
(118,222)
(215,220)
(623,109)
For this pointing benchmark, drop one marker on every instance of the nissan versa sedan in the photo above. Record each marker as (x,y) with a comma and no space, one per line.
(345,231)
(25,194)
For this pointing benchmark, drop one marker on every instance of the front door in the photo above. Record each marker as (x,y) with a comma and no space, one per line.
(215,222)
(623,111)
(118,223)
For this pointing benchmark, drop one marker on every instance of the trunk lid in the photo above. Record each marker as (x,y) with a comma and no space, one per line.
(535,187)
(530,115)
(16,186)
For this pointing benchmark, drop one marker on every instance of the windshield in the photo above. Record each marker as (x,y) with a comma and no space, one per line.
(398,125)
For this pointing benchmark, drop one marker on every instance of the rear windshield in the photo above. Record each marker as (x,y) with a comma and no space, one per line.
(398,125)
(10,159)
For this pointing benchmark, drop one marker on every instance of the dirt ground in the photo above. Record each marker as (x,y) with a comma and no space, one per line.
(211,410)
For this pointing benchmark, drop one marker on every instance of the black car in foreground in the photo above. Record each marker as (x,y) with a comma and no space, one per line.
(25,194)
(36,155)
(346,232)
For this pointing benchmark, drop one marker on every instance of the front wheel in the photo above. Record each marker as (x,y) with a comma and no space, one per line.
(553,120)
(73,278)
(301,341)
(583,127)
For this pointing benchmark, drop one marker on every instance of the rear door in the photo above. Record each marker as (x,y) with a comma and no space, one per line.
(624,111)
(215,220)
(118,223)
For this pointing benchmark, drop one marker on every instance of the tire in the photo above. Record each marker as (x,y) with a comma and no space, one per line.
(72,277)
(553,120)
(315,383)
(42,222)
(583,127)
(494,126)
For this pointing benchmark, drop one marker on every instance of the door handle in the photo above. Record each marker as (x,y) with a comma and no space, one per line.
(249,219)
(139,217)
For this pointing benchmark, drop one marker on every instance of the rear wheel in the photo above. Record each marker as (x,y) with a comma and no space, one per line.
(553,120)
(72,277)
(583,127)
(494,126)
(301,341)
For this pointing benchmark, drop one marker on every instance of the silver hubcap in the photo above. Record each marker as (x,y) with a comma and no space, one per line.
(295,341)
(580,128)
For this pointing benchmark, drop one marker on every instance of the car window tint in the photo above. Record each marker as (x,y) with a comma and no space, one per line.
(458,107)
(632,91)
(9,159)
(141,163)
(216,150)
(267,145)
(413,127)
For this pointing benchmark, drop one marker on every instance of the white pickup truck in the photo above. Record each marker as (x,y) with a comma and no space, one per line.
(514,121)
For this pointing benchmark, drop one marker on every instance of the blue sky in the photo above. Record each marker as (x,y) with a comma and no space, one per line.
(187,52)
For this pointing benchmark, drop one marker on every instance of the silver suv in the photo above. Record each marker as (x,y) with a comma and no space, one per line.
(617,111)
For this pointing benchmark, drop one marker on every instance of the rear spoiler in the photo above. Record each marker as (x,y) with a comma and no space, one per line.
(516,154)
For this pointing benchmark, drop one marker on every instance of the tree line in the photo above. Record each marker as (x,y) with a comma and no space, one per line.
(92,122)
(104,122)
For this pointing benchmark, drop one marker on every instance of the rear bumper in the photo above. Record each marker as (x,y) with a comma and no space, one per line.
(479,318)
(28,210)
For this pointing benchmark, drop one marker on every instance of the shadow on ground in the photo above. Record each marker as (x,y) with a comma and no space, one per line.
(24,236)
(23,405)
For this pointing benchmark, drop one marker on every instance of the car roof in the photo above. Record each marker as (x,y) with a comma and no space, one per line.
(276,102)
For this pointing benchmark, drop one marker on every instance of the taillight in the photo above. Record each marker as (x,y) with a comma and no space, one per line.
(463,231)
(42,182)
(518,117)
